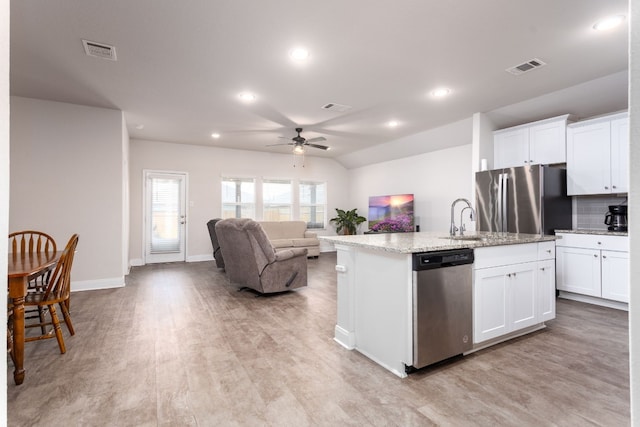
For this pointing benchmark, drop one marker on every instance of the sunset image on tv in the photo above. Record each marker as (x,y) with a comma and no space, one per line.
(391,213)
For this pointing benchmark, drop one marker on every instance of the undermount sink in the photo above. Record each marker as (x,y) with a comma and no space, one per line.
(465,237)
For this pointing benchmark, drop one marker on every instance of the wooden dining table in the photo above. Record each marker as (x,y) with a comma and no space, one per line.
(21,266)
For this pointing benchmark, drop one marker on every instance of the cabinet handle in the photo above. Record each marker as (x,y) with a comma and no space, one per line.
(604,256)
(614,187)
(599,243)
(542,268)
(595,256)
(606,188)
(514,274)
(548,251)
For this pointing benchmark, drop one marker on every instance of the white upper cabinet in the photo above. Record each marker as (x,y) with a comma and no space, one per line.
(598,156)
(510,148)
(620,155)
(542,142)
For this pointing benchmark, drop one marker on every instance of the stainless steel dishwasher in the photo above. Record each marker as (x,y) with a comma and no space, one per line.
(442,305)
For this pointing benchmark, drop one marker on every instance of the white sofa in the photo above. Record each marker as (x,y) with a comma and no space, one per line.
(291,234)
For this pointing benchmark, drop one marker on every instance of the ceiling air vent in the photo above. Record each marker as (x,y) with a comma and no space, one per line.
(99,50)
(527,66)
(340,108)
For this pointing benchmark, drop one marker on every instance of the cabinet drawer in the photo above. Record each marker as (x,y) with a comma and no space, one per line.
(546,250)
(495,256)
(593,241)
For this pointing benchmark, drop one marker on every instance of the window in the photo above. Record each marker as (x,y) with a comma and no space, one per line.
(276,198)
(313,202)
(238,198)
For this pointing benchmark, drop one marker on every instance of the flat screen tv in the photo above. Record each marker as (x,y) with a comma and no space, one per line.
(391,213)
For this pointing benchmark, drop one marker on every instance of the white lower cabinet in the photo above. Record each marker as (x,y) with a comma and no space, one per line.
(615,275)
(546,282)
(578,270)
(515,296)
(593,265)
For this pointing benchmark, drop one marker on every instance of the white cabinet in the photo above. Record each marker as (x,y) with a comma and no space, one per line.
(593,265)
(598,155)
(514,288)
(542,142)
(546,283)
(578,270)
(620,155)
(615,275)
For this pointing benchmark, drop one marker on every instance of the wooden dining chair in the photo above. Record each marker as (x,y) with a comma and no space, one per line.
(31,241)
(56,292)
(10,335)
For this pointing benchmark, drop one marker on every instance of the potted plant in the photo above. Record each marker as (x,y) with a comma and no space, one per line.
(347,221)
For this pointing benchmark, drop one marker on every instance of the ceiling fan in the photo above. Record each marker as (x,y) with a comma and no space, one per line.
(299,143)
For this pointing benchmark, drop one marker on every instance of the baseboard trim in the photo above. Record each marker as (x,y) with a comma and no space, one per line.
(344,338)
(200,258)
(136,262)
(594,300)
(93,285)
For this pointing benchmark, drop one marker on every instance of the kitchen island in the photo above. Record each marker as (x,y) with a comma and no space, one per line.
(513,289)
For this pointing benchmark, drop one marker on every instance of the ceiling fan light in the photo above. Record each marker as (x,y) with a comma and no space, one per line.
(298,149)
(215,135)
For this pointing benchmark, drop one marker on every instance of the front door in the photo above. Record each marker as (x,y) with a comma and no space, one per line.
(165,216)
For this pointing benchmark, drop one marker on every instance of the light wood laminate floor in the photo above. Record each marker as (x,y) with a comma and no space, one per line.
(179,346)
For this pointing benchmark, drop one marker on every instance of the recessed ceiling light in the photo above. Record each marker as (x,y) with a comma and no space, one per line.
(440,92)
(299,53)
(215,135)
(393,123)
(247,97)
(608,23)
(140,126)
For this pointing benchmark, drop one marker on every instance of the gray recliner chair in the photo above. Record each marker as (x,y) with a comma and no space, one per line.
(217,254)
(251,261)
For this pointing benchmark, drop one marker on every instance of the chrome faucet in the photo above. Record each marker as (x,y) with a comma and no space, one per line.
(453,228)
(471,217)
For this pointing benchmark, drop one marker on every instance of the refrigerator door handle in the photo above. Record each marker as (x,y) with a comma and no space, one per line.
(504,202)
(500,200)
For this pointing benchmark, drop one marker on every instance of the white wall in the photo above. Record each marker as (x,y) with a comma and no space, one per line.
(4,167)
(67,177)
(436,179)
(205,167)
(634,211)
(126,202)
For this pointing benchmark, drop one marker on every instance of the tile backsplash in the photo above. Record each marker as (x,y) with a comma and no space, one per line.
(589,211)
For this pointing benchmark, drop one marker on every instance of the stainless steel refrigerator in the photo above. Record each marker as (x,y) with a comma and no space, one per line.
(526,199)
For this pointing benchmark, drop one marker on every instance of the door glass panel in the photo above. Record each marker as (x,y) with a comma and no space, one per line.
(165,215)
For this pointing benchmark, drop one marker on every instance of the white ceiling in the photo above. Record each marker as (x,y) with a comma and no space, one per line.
(181,65)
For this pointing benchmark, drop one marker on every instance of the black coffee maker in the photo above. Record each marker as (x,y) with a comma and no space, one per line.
(616,218)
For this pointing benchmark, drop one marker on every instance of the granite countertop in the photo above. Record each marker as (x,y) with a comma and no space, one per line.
(592,231)
(433,241)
